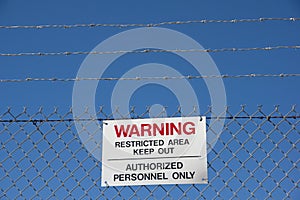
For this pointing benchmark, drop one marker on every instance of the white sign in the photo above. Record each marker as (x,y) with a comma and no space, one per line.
(154,151)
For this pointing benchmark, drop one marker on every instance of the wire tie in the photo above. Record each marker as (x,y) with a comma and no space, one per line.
(150,25)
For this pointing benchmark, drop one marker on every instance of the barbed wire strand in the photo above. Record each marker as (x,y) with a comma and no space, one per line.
(101,119)
(67,53)
(148,78)
(180,22)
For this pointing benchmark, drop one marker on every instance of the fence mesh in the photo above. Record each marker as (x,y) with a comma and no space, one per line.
(42,157)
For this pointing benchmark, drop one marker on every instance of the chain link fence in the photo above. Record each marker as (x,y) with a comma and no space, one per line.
(42,157)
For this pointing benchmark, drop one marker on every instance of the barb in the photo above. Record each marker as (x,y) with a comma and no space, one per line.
(67,53)
(101,119)
(148,78)
(203,21)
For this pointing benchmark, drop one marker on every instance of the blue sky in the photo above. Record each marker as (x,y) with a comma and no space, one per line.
(239,91)
(250,91)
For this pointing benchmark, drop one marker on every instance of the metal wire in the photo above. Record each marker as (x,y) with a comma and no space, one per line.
(101,119)
(203,21)
(67,53)
(225,76)
(255,157)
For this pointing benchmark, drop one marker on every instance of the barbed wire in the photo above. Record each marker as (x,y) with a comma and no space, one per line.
(148,78)
(67,53)
(203,21)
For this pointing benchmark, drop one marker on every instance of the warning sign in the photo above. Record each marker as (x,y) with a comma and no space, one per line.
(154,151)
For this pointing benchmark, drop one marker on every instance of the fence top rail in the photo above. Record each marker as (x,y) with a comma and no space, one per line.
(11,115)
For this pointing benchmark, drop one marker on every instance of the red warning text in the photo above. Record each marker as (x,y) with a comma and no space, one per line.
(154,129)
